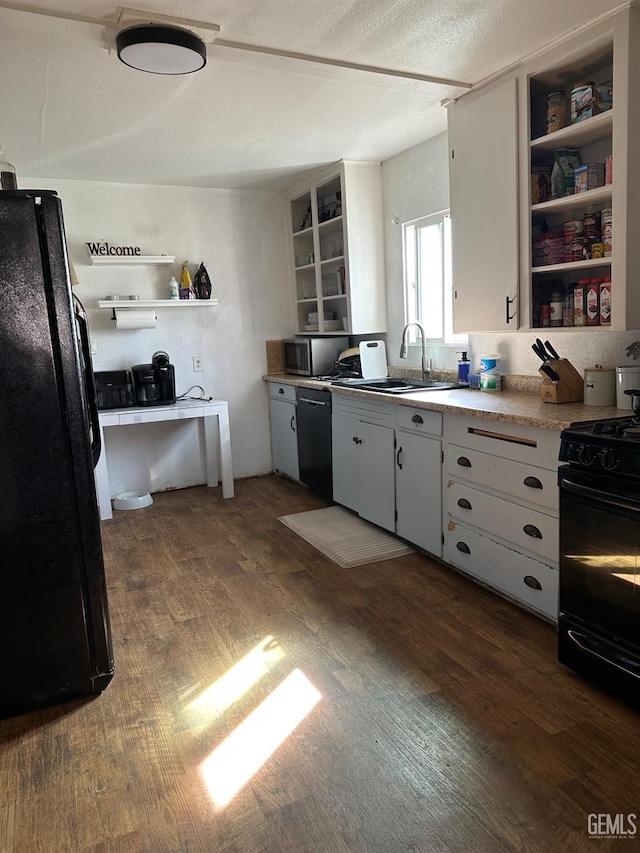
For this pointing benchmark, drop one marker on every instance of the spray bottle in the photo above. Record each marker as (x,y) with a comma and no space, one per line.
(463,368)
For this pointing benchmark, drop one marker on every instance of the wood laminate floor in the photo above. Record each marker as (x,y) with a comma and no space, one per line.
(414,710)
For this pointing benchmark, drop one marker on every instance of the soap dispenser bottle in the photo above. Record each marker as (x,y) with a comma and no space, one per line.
(174,290)
(463,368)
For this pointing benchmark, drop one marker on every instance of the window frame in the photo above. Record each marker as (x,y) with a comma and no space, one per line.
(413,291)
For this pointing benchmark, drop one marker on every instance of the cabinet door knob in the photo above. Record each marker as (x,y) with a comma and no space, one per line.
(291,423)
(280,390)
(532,530)
(464,503)
(532,482)
(398,454)
(462,546)
(464,462)
(357,440)
(532,582)
(417,419)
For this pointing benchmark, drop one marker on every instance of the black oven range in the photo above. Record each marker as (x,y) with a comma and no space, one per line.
(599,606)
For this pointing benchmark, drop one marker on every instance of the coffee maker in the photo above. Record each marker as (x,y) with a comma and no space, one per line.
(155,383)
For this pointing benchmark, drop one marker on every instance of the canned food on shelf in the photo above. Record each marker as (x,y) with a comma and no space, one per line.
(557,111)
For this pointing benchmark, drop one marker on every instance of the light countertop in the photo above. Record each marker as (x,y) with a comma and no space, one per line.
(509,406)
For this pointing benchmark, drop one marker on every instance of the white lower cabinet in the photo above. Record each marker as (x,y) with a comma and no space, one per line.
(501,507)
(284,436)
(518,576)
(363,458)
(419,478)
(528,529)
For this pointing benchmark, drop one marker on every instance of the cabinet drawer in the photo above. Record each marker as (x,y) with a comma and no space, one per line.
(362,409)
(282,392)
(152,415)
(539,447)
(419,420)
(523,481)
(528,529)
(520,577)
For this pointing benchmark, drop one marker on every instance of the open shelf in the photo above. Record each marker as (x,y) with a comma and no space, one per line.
(573,266)
(577,135)
(132,259)
(157,303)
(577,201)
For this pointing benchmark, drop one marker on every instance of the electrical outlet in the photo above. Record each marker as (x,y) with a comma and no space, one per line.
(93,346)
(198,364)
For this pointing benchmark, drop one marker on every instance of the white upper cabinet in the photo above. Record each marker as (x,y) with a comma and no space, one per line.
(483,169)
(500,139)
(606,55)
(337,251)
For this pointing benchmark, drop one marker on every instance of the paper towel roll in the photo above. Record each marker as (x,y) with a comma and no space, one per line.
(138,319)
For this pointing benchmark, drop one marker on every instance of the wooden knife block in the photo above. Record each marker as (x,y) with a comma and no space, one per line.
(568,389)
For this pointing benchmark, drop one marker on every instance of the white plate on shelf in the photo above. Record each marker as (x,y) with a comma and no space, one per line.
(311,328)
(332,325)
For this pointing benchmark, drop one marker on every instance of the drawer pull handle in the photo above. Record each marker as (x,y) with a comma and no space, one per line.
(464,503)
(532,482)
(464,462)
(417,419)
(398,455)
(291,423)
(357,440)
(532,530)
(280,390)
(534,583)
(462,546)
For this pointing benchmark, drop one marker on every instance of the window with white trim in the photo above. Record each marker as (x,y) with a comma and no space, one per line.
(428,288)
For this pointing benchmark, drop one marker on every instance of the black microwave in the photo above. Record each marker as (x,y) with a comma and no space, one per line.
(312,356)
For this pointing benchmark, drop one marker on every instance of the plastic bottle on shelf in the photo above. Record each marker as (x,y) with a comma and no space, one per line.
(463,368)
(174,289)
(185,282)
(8,179)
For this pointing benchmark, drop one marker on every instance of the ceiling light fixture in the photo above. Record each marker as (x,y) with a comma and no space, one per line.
(152,42)
(161,50)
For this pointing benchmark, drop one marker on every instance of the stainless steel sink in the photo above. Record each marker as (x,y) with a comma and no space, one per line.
(406,386)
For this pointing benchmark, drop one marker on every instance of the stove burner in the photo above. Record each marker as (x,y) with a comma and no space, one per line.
(632,432)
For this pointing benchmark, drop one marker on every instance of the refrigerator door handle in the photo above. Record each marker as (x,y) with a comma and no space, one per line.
(89,383)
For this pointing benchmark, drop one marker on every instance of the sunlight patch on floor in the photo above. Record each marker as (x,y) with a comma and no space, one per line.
(233,763)
(236,681)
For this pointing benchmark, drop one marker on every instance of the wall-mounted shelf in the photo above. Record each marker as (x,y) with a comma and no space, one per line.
(132,259)
(157,303)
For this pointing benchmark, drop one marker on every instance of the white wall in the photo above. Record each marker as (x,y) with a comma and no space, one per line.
(239,235)
(416,183)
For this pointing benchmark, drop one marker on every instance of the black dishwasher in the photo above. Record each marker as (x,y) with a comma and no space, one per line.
(314,439)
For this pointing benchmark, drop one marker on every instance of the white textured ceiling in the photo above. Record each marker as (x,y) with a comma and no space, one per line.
(70,109)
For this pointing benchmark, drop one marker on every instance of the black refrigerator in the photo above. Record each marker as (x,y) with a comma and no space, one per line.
(54,620)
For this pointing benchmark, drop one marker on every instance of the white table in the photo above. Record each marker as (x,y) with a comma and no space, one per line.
(182,410)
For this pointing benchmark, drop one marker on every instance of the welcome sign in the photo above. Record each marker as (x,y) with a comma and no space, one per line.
(103,248)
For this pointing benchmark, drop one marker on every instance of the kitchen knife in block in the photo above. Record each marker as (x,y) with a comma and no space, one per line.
(568,389)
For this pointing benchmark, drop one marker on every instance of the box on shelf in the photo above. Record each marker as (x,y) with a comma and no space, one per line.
(589,100)
(588,177)
(548,247)
(540,184)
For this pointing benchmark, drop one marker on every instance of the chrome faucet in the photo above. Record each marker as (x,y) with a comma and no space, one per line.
(423,336)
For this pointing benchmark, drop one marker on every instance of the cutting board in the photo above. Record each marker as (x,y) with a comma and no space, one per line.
(373,359)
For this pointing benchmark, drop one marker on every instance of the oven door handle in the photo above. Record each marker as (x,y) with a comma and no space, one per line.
(592,647)
(599,497)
